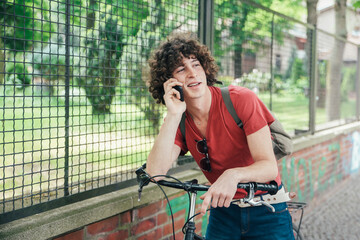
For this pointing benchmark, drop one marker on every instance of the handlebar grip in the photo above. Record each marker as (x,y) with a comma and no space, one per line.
(271,187)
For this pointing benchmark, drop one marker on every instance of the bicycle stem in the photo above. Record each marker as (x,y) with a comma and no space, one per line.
(190,228)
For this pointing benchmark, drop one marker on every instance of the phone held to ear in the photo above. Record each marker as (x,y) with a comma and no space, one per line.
(180,90)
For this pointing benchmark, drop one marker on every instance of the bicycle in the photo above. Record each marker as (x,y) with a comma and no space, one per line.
(294,207)
(192,187)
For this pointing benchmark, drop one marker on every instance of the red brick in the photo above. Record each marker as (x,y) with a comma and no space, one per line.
(149,210)
(178,235)
(180,213)
(120,235)
(175,196)
(72,236)
(106,225)
(125,218)
(162,218)
(178,226)
(156,234)
(143,226)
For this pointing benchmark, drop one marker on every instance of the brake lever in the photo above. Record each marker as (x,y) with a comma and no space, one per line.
(142,178)
(250,198)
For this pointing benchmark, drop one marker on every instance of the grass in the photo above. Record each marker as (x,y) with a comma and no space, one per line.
(292,110)
(32,142)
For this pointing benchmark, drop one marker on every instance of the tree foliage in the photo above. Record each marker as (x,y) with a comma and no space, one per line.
(356,4)
(20,21)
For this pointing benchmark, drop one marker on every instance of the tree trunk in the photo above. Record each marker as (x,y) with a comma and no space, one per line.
(238,61)
(238,31)
(90,17)
(333,83)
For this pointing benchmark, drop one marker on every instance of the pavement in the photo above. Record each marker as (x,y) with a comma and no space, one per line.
(336,214)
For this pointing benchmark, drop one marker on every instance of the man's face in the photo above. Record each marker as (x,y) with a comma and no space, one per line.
(192,75)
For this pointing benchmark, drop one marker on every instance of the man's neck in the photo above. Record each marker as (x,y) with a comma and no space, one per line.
(199,108)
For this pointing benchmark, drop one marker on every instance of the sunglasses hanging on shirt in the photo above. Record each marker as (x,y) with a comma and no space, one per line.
(202,148)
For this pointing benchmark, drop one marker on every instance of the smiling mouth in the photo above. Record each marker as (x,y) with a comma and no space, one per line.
(193,84)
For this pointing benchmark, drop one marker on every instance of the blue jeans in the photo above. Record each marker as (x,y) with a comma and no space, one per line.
(235,223)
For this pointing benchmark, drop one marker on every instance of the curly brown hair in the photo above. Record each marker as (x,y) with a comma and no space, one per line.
(168,56)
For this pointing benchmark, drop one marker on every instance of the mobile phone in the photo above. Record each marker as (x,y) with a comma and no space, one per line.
(180,90)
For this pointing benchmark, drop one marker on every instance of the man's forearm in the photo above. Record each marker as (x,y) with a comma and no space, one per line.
(260,171)
(162,154)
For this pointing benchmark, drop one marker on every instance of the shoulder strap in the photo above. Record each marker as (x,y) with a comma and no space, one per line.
(230,107)
(182,127)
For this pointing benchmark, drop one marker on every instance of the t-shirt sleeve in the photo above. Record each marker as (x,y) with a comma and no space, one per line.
(179,140)
(250,109)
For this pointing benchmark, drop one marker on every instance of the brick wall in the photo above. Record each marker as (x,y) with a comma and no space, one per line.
(309,171)
(150,222)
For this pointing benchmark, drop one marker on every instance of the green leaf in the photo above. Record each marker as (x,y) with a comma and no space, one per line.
(356,4)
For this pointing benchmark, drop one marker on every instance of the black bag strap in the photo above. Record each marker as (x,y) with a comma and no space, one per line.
(182,127)
(230,107)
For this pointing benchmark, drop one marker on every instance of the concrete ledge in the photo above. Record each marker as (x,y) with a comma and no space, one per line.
(322,136)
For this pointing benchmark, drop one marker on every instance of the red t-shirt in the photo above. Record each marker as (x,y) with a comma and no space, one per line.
(227,144)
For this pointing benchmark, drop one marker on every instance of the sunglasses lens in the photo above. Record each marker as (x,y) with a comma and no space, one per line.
(202,146)
(205,164)
(203,149)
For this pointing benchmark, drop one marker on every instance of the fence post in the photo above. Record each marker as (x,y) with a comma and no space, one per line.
(313,81)
(357,84)
(271,61)
(206,23)
(67,96)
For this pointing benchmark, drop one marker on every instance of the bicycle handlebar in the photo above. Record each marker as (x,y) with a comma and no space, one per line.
(143,179)
(192,185)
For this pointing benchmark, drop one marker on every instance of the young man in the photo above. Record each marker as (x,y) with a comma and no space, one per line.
(227,154)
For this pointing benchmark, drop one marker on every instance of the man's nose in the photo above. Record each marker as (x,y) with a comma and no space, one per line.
(192,72)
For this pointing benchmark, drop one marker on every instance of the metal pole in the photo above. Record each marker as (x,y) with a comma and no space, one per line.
(357,84)
(313,82)
(67,96)
(206,23)
(271,62)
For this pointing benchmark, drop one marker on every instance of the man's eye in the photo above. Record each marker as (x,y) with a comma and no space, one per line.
(180,70)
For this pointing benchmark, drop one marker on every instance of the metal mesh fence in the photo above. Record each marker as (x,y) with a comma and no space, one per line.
(280,58)
(75,111)
(265,52)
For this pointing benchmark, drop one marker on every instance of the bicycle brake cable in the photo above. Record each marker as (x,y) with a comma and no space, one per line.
(166,197)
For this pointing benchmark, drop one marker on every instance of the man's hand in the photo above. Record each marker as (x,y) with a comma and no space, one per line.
(172,97)
(221,193)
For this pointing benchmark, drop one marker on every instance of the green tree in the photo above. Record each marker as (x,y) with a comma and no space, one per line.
(333,84)
(356,4)
(19,24)
(102,46)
